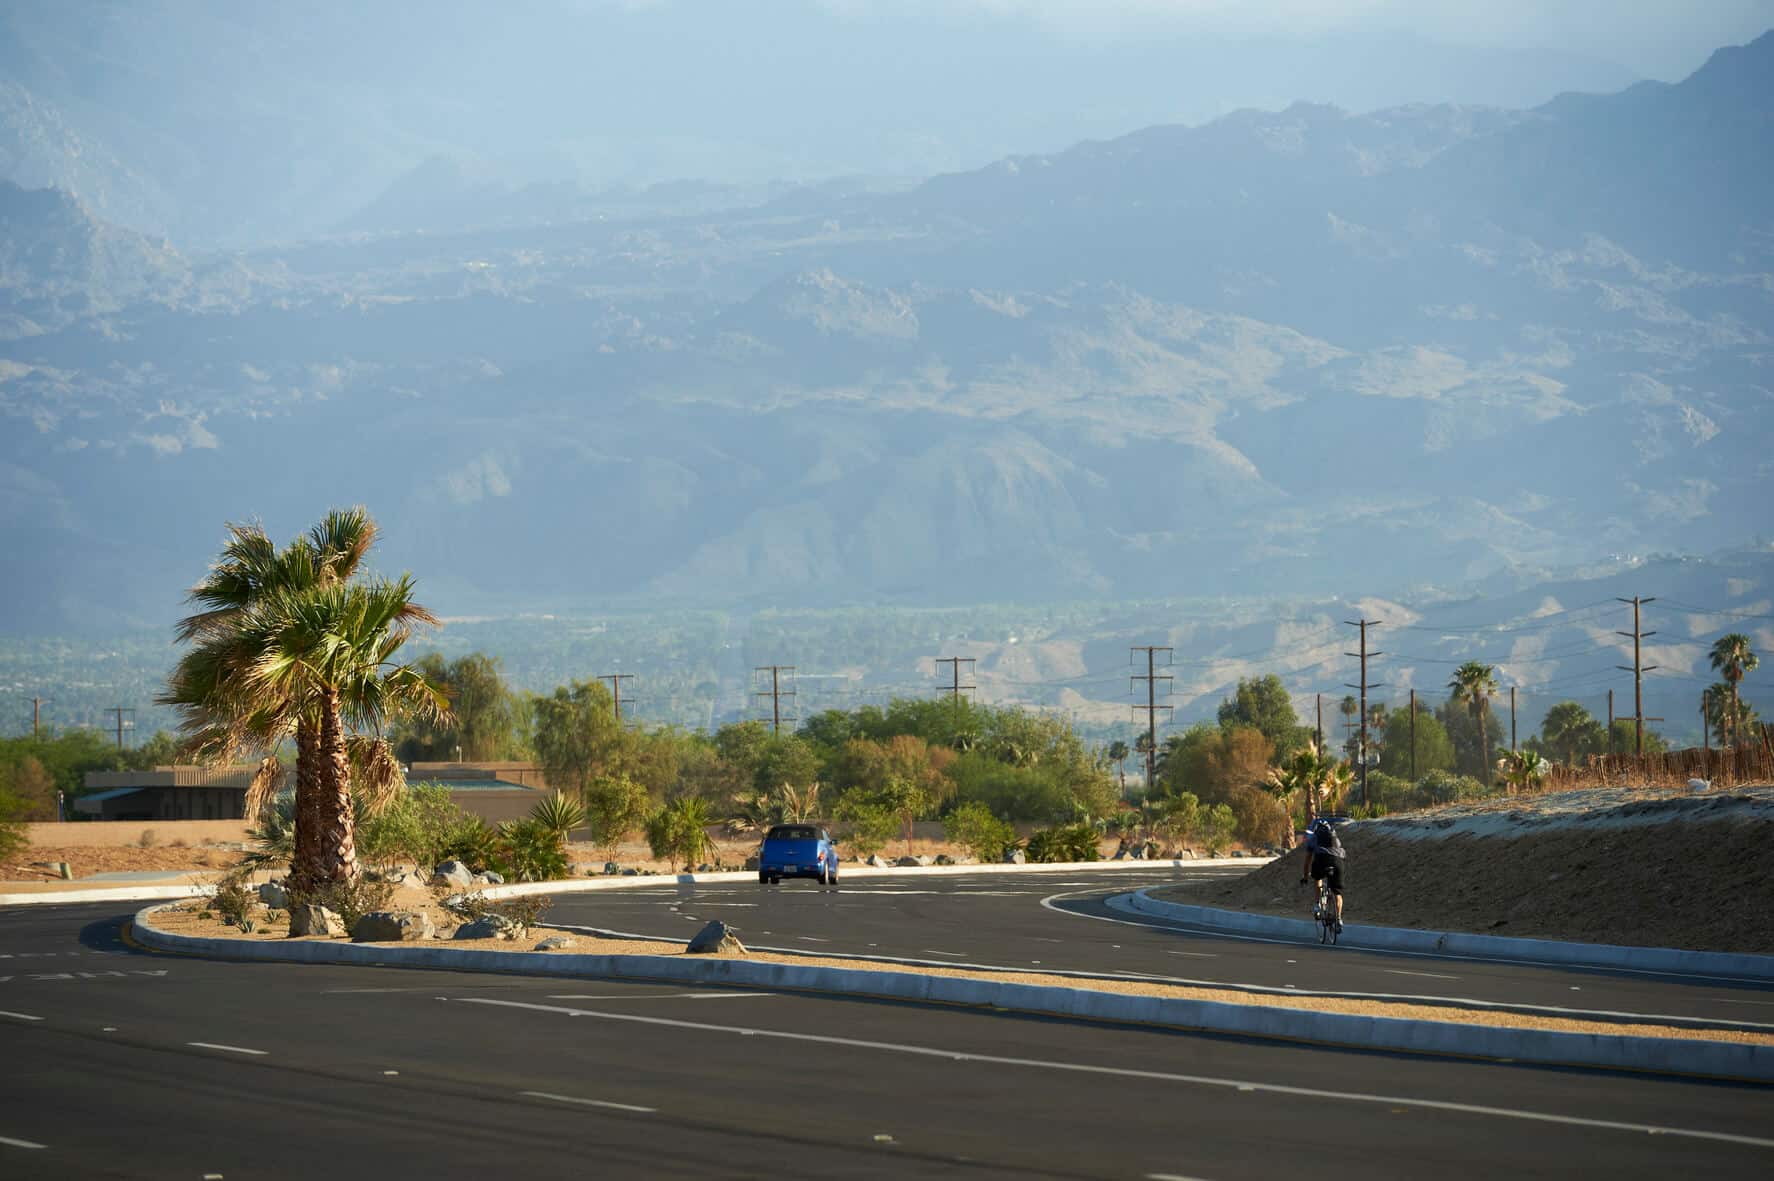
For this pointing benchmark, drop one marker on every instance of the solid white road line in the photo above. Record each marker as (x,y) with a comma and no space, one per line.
(933,951)
(654,996)
(1149,1075)
(19,1016)
(227,1049)
(589,1102)
(21,1143)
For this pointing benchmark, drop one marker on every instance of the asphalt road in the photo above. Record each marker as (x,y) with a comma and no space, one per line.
(1059,922)
(120,1063)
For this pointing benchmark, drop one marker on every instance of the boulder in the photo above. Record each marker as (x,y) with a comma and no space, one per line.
(610,867)
(751,863)
(1016,857)
(554,943)
(908,863)
(716,939)
(491,926)
(273,894)
(631,872)
(453,873)
(1239,853)
(944,859)
(879,862)
(393,926)
(705,867)
(308,918)
(494,877)
(966,859)
(1122,855)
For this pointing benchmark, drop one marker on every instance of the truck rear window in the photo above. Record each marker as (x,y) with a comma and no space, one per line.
(792,832)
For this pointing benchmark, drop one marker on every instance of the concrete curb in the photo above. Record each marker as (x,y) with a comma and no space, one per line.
(619,882)
(108,894)
(1454,943)
(1655,1055)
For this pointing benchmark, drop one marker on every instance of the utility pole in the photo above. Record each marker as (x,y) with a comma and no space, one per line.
(1363,624)
(1413,735)
(120,710)
(956,688)
(1638,670)
(1152,707)
(1319,697)
(775,692)
(1706,720)
(36,713)
(616,680)
(1610,721)
(1512,719)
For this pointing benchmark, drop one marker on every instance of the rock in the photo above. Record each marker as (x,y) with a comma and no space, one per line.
(273,894)
(1121,855)
(1699,785)
(716,939)
(495,877)
(631,872)
(908,863)
(610,867)
(1239,853)
(751,863)
(554,943)
(393,926)
(705,867)
(879,862)
(308,918)
(492,926)
(453,873)
(944,859)
(966,859)
(1016,857)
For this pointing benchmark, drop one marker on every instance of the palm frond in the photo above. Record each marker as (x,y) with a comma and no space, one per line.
(266,783)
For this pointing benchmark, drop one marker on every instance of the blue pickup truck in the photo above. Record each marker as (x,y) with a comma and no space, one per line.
(798,851)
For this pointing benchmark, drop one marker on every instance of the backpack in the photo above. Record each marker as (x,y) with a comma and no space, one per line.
(1324,839)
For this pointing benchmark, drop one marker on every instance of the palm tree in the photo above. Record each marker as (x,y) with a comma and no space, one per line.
(1566,728)
(1522,769)
(1118,753)
(286,647)
(1731,658)
(1473,683)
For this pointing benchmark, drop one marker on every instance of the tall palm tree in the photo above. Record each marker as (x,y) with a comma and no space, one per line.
(1474,682)
(225,710)
(1117,754)
(1732,656)
(1566,728)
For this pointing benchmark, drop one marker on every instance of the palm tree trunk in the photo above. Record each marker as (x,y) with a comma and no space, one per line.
(338,850)
(305,862)
(1484,750)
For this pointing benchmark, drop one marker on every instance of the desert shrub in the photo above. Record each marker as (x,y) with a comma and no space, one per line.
(1445,787)
(529,851)
(12,829)
(525,911)
(1259,818)
(473,842)
(1389,793)
(559,814)
(1175,818)
(974,828)
(234,899)
(1217,826)
(350,900)
(1071,842)
(869,825)
(148,839)
(678,832)
(615,805)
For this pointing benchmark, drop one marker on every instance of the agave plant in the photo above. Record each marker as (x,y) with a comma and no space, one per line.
(1522,769)
(559,814)
(800,803)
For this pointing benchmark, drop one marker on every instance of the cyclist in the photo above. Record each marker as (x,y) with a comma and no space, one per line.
(1324,862)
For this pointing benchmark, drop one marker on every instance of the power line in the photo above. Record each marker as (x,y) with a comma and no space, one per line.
(956,688)
(1152,707)
(775,692)
(1638,670)
(1363,623)
(616,680)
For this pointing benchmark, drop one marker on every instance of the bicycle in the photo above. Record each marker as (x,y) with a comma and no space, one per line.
(1325,914)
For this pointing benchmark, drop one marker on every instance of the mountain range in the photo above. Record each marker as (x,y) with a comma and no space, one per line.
(1301,350)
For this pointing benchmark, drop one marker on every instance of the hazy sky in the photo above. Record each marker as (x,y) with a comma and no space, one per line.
(1663,39)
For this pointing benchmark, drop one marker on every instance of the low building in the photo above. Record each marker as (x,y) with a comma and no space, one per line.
(167,793)
(493,791)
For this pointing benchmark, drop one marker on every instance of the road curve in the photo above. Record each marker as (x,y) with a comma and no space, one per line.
(122,1063)
(1059,922)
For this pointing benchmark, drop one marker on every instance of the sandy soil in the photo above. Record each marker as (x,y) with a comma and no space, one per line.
(86,860)
(1641,868)
(188,919)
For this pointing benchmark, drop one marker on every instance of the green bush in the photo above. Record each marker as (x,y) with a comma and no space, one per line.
(559,814)
(1389,793)
(472,841)
(1218,823)
(1012,792)
(615,805)
(525,911)
(974,828)
(234,899)
(529,851)
(870,825)
(1072,842)
(1445,787)
(12,829)
(678,832)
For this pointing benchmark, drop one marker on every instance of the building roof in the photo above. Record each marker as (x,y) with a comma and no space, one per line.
(479,785)
(98,797)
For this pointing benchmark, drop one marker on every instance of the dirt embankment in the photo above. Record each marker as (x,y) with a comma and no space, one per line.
(1657,870)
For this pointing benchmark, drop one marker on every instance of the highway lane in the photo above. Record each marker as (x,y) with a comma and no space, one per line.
(121,1063)
(1059,922)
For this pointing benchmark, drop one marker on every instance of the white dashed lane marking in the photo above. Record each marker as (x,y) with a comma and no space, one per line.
(19,1016)
(589,1102)
(1402,972)
(21,1143)
(227,1049)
